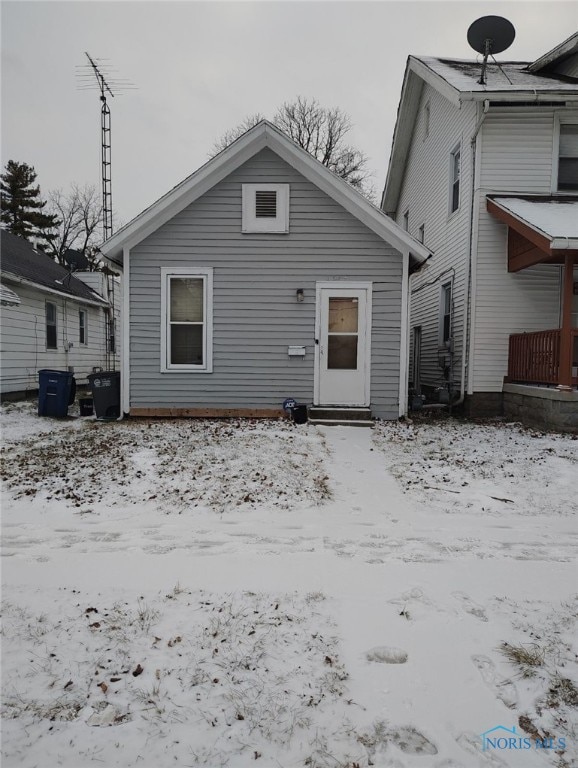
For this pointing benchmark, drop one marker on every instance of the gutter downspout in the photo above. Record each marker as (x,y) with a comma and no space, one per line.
(404,338)
(467,306)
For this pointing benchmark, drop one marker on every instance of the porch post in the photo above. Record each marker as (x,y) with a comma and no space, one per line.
(565,370)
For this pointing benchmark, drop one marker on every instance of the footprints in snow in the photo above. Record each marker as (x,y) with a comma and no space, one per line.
(383,654)
(504,689)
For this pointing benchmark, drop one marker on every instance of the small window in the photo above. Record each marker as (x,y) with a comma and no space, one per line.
(186,342)
(406,220)
(446,314)
(426,119)
(421,233)
(265,208)
(82,326)
(568,158)
(51,329)
(455,167)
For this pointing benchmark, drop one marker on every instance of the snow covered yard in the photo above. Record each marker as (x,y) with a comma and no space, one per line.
(235,594)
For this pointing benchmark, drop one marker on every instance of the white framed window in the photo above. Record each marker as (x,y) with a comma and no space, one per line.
(51,326)
(187,319)
(567,160)
(455,177)
(82,327)
(426,120)
(445,327)
(265,208)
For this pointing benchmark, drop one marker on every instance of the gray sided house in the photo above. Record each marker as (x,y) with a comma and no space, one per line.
(52,319)
(263,276)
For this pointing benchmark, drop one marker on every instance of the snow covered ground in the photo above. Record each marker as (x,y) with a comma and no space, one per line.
(249,593)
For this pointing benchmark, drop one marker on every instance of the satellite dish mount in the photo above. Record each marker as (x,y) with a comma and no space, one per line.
(490,35)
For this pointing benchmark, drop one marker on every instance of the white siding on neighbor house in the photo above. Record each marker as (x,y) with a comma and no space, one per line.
(23,339)
(517,157)
(426,193)
(255,312)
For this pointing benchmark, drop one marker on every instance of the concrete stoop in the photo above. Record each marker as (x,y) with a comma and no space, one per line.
(346,417)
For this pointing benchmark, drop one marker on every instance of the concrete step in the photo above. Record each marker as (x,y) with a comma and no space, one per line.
(332,414)
(351,417)
(342,422)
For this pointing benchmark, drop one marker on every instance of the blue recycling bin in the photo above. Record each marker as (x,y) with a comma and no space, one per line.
(56,391)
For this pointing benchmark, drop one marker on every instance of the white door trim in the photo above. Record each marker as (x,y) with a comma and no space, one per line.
(367,286)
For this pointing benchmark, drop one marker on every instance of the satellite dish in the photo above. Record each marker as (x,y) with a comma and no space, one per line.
(490,35)
(75,260)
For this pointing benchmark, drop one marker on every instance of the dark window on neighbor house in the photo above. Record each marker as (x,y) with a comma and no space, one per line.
(455,180)
(82,326)
(51,330)
(446,313)
(421,233)
(406,220)
(568,158)
(426,120)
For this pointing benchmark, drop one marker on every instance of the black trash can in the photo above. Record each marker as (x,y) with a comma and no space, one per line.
(86,406)
(299,414)
(56,391)
(105,388)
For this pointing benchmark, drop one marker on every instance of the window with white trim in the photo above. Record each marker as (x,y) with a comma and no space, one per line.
(455,175)
(445,332)
(51,327)
(186,320)
(265,208)
(82,329)
(568,158)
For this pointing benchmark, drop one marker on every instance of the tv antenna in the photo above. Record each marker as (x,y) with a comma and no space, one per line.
(489,35)
(99,75)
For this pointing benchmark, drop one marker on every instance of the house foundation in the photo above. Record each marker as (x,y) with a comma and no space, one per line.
(542,407)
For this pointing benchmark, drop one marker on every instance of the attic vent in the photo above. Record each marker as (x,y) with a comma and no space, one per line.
(265,208)
(266,204)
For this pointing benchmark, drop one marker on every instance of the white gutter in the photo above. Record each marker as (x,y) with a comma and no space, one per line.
(468,296)
(404,337)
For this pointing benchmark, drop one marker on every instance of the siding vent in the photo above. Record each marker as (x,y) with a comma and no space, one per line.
(265,208)
(265,204)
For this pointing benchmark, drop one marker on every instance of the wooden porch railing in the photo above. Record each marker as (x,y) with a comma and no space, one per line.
(534,358)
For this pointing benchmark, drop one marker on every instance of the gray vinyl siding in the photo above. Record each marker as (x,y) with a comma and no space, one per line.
(255,312)
(426,193)
(23,339)
(517,156)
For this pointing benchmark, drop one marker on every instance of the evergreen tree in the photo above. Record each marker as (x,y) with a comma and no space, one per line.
(22,206)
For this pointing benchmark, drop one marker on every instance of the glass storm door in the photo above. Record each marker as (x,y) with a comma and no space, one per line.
(343,355)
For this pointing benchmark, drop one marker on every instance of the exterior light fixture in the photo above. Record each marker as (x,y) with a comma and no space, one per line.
(300,294)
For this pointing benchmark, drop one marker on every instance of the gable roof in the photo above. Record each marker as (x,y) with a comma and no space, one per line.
(457,81)
(557,55)
(264,134)
(23,264)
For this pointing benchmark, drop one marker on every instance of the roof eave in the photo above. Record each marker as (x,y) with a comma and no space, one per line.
(559,53)
(12,277)
(263,135)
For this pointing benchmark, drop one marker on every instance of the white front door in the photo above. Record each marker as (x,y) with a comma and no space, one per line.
(343,335)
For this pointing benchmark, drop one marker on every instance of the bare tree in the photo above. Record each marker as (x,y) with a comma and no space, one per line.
(80,215)
(320,131)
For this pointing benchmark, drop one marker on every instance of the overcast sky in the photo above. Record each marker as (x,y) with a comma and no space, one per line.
(200,67)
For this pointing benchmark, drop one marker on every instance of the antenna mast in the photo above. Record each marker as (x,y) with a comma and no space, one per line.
(106,82)
(105,135)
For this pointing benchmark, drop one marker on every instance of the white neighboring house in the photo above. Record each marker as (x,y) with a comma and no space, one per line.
(52,319)
(486,175)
